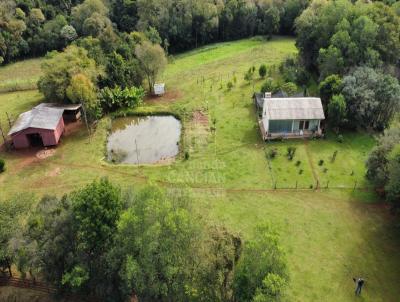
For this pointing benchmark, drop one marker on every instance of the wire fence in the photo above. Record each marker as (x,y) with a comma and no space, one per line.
(42,287)
(28,284)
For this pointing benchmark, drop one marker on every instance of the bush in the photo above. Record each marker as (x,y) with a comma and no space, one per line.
(115,98)
(334,156)
(340,138)
(272,153)
(290,88)
(248,76)
(301,171)
(234,79)
(321,162)
(291,152)
(292,70)
(269,86)
(262,71)
(298,163)
(229,85)
(325,170)
(187,155)
(2,165)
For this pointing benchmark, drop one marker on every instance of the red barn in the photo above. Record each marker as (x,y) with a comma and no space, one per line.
(39,127)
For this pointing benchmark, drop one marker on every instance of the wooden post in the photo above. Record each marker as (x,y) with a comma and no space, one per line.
(296,184)
(86,120)
(2,133)
(275,185)
(327,184)
(9,120)
(137,152)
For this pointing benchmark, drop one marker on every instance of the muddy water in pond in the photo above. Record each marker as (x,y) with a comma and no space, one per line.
(144,139)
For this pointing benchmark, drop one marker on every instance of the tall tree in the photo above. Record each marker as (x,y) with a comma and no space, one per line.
(337,111)
(372,97)
(59,68)
(262,270)
(86,10)
(152,59)
(12,212)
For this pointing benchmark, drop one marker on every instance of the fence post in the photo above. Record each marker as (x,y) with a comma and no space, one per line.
(296,184)
(2,133)
(275,185)
(327,184)
(9,120)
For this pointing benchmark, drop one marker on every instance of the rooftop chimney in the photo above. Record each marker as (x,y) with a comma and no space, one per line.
(268,95)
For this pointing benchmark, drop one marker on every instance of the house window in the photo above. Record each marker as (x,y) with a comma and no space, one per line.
(301,125)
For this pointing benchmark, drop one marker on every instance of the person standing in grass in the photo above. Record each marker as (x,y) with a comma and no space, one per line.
(359,284)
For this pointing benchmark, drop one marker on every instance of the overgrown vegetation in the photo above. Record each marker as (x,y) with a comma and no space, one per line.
(383,165)
(149,243)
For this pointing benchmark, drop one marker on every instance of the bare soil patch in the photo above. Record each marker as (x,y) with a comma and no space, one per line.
(200,118)
(45,153)
(169,97)
(71,128)
(55,172)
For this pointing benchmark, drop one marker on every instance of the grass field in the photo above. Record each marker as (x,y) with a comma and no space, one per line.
(20,76)
(13,103)
(330,235)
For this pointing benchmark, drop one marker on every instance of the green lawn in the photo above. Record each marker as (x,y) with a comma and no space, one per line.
(329,235)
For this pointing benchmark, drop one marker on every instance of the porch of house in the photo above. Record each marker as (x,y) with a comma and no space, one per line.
(292,133)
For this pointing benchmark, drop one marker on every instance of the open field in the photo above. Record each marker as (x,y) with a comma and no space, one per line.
(13,103)
(330,235)
(20,76)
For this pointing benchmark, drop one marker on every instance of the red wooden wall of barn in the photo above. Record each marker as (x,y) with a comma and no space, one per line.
(49,137)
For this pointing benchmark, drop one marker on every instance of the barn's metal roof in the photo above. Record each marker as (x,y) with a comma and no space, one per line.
(293,108)
(41,118)
(60,106)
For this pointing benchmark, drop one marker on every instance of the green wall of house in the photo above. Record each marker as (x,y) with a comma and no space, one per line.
(287,125)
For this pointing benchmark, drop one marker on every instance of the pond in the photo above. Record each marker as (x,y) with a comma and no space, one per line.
(144,140)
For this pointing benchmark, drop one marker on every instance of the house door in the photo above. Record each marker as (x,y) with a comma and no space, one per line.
(304,125)
(35,140)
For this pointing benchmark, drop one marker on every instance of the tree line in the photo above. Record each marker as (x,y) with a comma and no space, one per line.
(103,243)
(33,27)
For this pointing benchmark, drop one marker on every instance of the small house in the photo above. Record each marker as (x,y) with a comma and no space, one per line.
(39,127)
(159,89)
(291,117)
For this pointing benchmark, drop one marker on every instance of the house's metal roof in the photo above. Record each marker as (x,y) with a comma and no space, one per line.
(60,106)
(41,118)
(293,108)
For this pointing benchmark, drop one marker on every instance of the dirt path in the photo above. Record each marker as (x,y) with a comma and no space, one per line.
(310,159)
